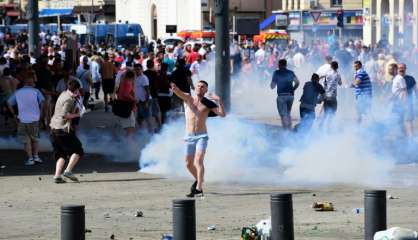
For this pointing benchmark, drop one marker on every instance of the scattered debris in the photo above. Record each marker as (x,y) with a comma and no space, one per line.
(106,215)
(87,230)
(313,195)
(358,210)
(392,197)
(94,172)
(264,228)
(315,228)
(212,228)
(10,205)
(139,214)
(112,236)
(396,233)
(3,166)
(249,233)
(323,206)
(166,237)
(39,178)
(81,175)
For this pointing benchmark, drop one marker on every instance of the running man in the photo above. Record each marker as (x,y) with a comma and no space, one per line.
(197,110)
(362,91)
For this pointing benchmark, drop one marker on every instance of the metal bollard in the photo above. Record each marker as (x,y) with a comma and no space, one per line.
(374,212)
(281,217)
(184,219)
(72,222)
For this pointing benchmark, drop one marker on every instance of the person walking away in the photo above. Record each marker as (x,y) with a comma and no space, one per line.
(362,91)
(96,75)
(8,86)
(109,72)
(152,76)
(84,74)
(125,105)
(331,82)
(44,84)
(64,141)
(165,94)
(196,112)
(286,82)
(311,91)
(29,101)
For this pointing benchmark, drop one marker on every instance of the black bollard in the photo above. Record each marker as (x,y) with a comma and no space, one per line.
(374,212)
(72,222)
(281,217)
(184,219)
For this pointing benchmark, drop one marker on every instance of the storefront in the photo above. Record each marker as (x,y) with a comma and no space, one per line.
(303,27)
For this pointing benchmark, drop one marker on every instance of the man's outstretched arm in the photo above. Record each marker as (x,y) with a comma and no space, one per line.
(184,96)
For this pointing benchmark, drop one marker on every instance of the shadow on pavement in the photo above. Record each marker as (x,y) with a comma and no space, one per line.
(12,164)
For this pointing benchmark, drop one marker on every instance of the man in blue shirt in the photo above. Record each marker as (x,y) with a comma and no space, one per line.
(362,91)
(29,102)
(286,82)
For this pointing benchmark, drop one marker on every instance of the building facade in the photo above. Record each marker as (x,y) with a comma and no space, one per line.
(155,15)
(314,19)
(393,20)
(104,9)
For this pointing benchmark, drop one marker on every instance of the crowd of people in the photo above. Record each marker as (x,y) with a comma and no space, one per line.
(136,84)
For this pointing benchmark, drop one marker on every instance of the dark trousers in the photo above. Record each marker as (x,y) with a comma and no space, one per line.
(307,117)
(96,87)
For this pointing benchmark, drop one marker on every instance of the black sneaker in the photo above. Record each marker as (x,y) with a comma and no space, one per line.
(70,176)
(195,193)
(193,187)
(59,180)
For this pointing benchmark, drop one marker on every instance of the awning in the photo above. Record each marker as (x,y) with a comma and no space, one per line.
(264,24)
(55,12)
(87,9)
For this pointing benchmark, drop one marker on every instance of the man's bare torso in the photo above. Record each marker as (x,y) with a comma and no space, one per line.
(196,115)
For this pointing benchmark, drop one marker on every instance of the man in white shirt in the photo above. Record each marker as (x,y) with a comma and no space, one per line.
(260,55)
(142,94)
(299,60)
(96,75)
(399,93)
(325,68)
(195,69)
(29,102)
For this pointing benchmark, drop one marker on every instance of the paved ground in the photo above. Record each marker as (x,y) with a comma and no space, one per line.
(113,192)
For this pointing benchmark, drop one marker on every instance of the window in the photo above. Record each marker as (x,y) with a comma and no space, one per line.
(336,3)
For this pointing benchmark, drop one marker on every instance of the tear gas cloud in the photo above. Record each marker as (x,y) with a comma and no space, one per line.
(240,150)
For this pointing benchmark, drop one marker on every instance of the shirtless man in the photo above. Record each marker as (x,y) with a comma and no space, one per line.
(197,110)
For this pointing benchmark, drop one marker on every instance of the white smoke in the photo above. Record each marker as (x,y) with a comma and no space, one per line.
(243,151)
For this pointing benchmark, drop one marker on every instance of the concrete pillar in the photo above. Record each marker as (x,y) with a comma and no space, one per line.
(392,13)
(285,5)
(379,20)
(415,24)
(401,14)
(367,32)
